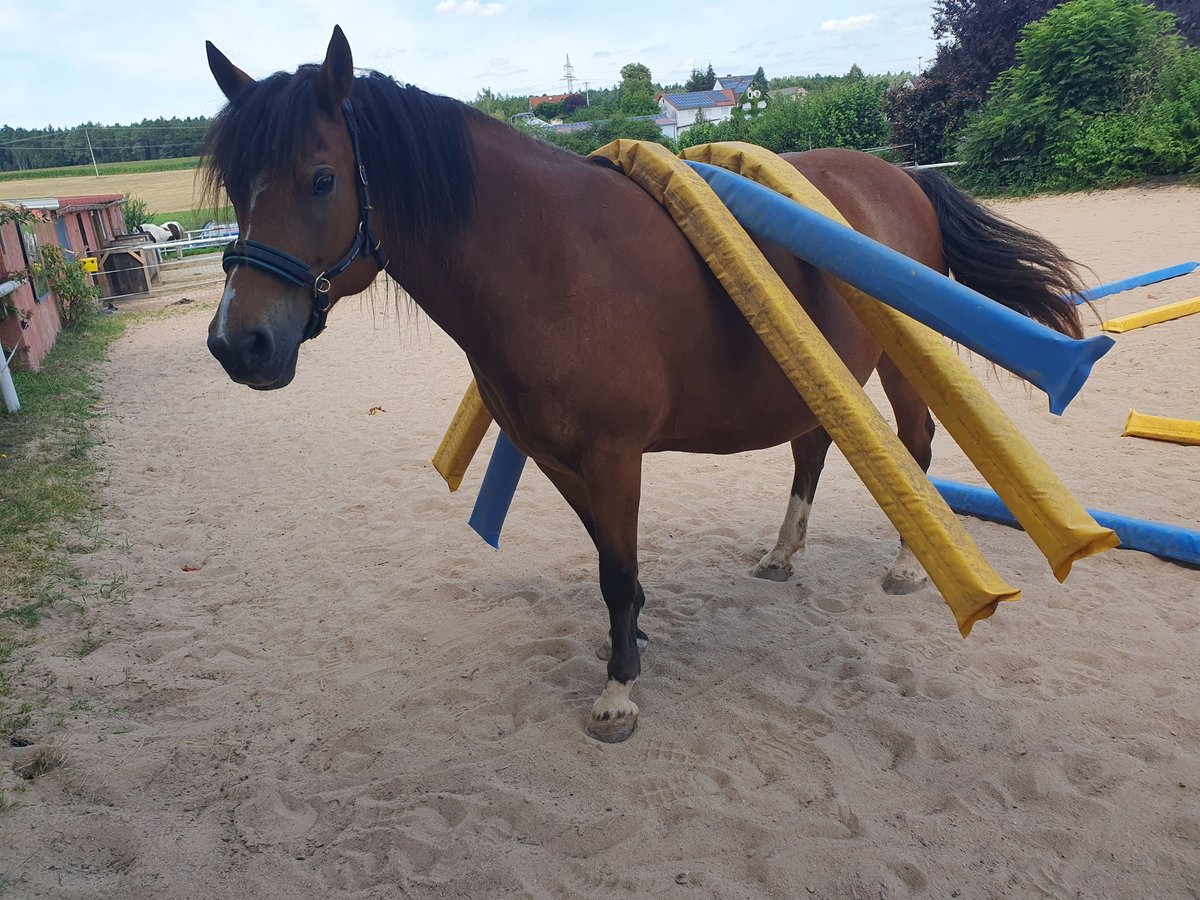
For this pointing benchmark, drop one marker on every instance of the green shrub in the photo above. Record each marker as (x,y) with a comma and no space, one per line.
(137,212)
(72,286)
(1103,92)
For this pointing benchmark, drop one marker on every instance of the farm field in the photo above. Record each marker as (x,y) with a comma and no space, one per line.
(117,168)
(162,191)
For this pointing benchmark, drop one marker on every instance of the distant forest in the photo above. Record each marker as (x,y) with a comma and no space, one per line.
(42,148)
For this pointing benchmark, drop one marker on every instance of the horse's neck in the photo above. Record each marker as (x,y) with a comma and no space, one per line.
(465,282)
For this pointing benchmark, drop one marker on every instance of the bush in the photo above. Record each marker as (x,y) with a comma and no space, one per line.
(1103,92)
(72,286)
(137,212)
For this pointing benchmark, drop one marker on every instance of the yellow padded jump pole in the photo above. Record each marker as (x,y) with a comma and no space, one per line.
(1160,428)
(462,438)
(1153,316)
(969,584)
(1058,524)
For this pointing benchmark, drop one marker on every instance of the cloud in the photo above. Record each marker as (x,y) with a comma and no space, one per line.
(850,23)
(500,67)
(470,8)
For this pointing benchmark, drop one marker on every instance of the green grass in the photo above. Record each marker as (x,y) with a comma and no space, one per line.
(47,494)
(118,168)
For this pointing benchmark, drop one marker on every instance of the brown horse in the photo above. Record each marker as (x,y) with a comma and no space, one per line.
(595,331)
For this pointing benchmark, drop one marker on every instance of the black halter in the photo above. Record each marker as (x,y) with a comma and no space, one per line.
(289,268)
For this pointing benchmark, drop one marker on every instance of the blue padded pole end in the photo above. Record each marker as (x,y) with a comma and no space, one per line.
(496,493)
(1081,356)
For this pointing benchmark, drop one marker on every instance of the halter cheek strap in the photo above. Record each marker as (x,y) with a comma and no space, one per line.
(288,268)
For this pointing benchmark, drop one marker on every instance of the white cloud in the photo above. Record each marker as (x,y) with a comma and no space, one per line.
(470,8)
(850,23)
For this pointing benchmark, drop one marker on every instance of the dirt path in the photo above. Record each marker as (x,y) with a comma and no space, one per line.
(320,683)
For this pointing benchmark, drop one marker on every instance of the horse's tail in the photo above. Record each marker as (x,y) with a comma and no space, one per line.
(1001,260)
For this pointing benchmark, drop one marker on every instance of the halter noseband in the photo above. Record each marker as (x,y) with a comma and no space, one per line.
(288,268)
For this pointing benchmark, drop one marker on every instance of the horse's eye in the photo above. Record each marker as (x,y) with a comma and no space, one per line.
(322,184)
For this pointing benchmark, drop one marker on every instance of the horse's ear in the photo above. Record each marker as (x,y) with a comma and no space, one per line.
(229,77)
(337,73)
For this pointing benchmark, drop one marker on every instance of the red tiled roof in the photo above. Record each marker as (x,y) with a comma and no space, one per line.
(535,102)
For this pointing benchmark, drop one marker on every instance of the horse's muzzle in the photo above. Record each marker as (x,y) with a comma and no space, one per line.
(253,358)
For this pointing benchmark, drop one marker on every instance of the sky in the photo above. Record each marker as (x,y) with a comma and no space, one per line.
(68,61)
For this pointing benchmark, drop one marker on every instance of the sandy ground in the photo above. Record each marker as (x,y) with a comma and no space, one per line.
(316,681)
(162,191)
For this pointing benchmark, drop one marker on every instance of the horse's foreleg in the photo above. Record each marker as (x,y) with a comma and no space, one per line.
(915,428)
(809,454)
(574,491)
(614,491)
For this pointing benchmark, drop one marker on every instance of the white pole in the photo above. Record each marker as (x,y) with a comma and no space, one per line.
(93,154)
(8,390)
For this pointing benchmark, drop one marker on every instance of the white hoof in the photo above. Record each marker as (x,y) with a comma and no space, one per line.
(614,715)
(772,569)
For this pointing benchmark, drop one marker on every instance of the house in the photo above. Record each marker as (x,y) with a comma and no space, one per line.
(680,112)
(739,84)
(789,94)
(83,226)
(535,102)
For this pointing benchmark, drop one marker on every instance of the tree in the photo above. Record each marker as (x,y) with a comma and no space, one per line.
(1100,91)
(978,41)
(637,91)
(759,81)
(500,106)
(631,72)
(697,81)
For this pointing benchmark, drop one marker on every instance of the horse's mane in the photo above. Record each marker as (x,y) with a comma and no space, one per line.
(415,145)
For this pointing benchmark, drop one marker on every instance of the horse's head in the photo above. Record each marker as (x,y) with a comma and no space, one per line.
(285,149)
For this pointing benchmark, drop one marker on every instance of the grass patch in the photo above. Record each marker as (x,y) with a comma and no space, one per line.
(47,493)
(136,167)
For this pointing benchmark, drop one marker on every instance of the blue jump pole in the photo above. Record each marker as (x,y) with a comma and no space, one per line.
(1053,362)
(496,493)
(1134,281)
(1167,541)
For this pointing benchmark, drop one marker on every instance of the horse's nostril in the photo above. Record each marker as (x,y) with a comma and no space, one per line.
(258,348)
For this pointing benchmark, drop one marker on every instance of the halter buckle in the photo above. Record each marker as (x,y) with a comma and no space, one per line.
(321,288)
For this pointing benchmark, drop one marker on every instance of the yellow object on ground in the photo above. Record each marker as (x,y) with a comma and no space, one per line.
(462,438)
(1058,524)
(966,580)
(1160,428)
(1153,316)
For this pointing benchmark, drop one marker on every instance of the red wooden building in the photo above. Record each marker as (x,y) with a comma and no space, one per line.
(29,320)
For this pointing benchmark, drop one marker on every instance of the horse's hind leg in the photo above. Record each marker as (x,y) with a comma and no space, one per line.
(915,428)
(614,484)
(809,454)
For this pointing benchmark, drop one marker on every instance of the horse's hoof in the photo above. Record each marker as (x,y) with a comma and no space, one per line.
(899,583)
(773,571)
(612,731)
(604,651)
